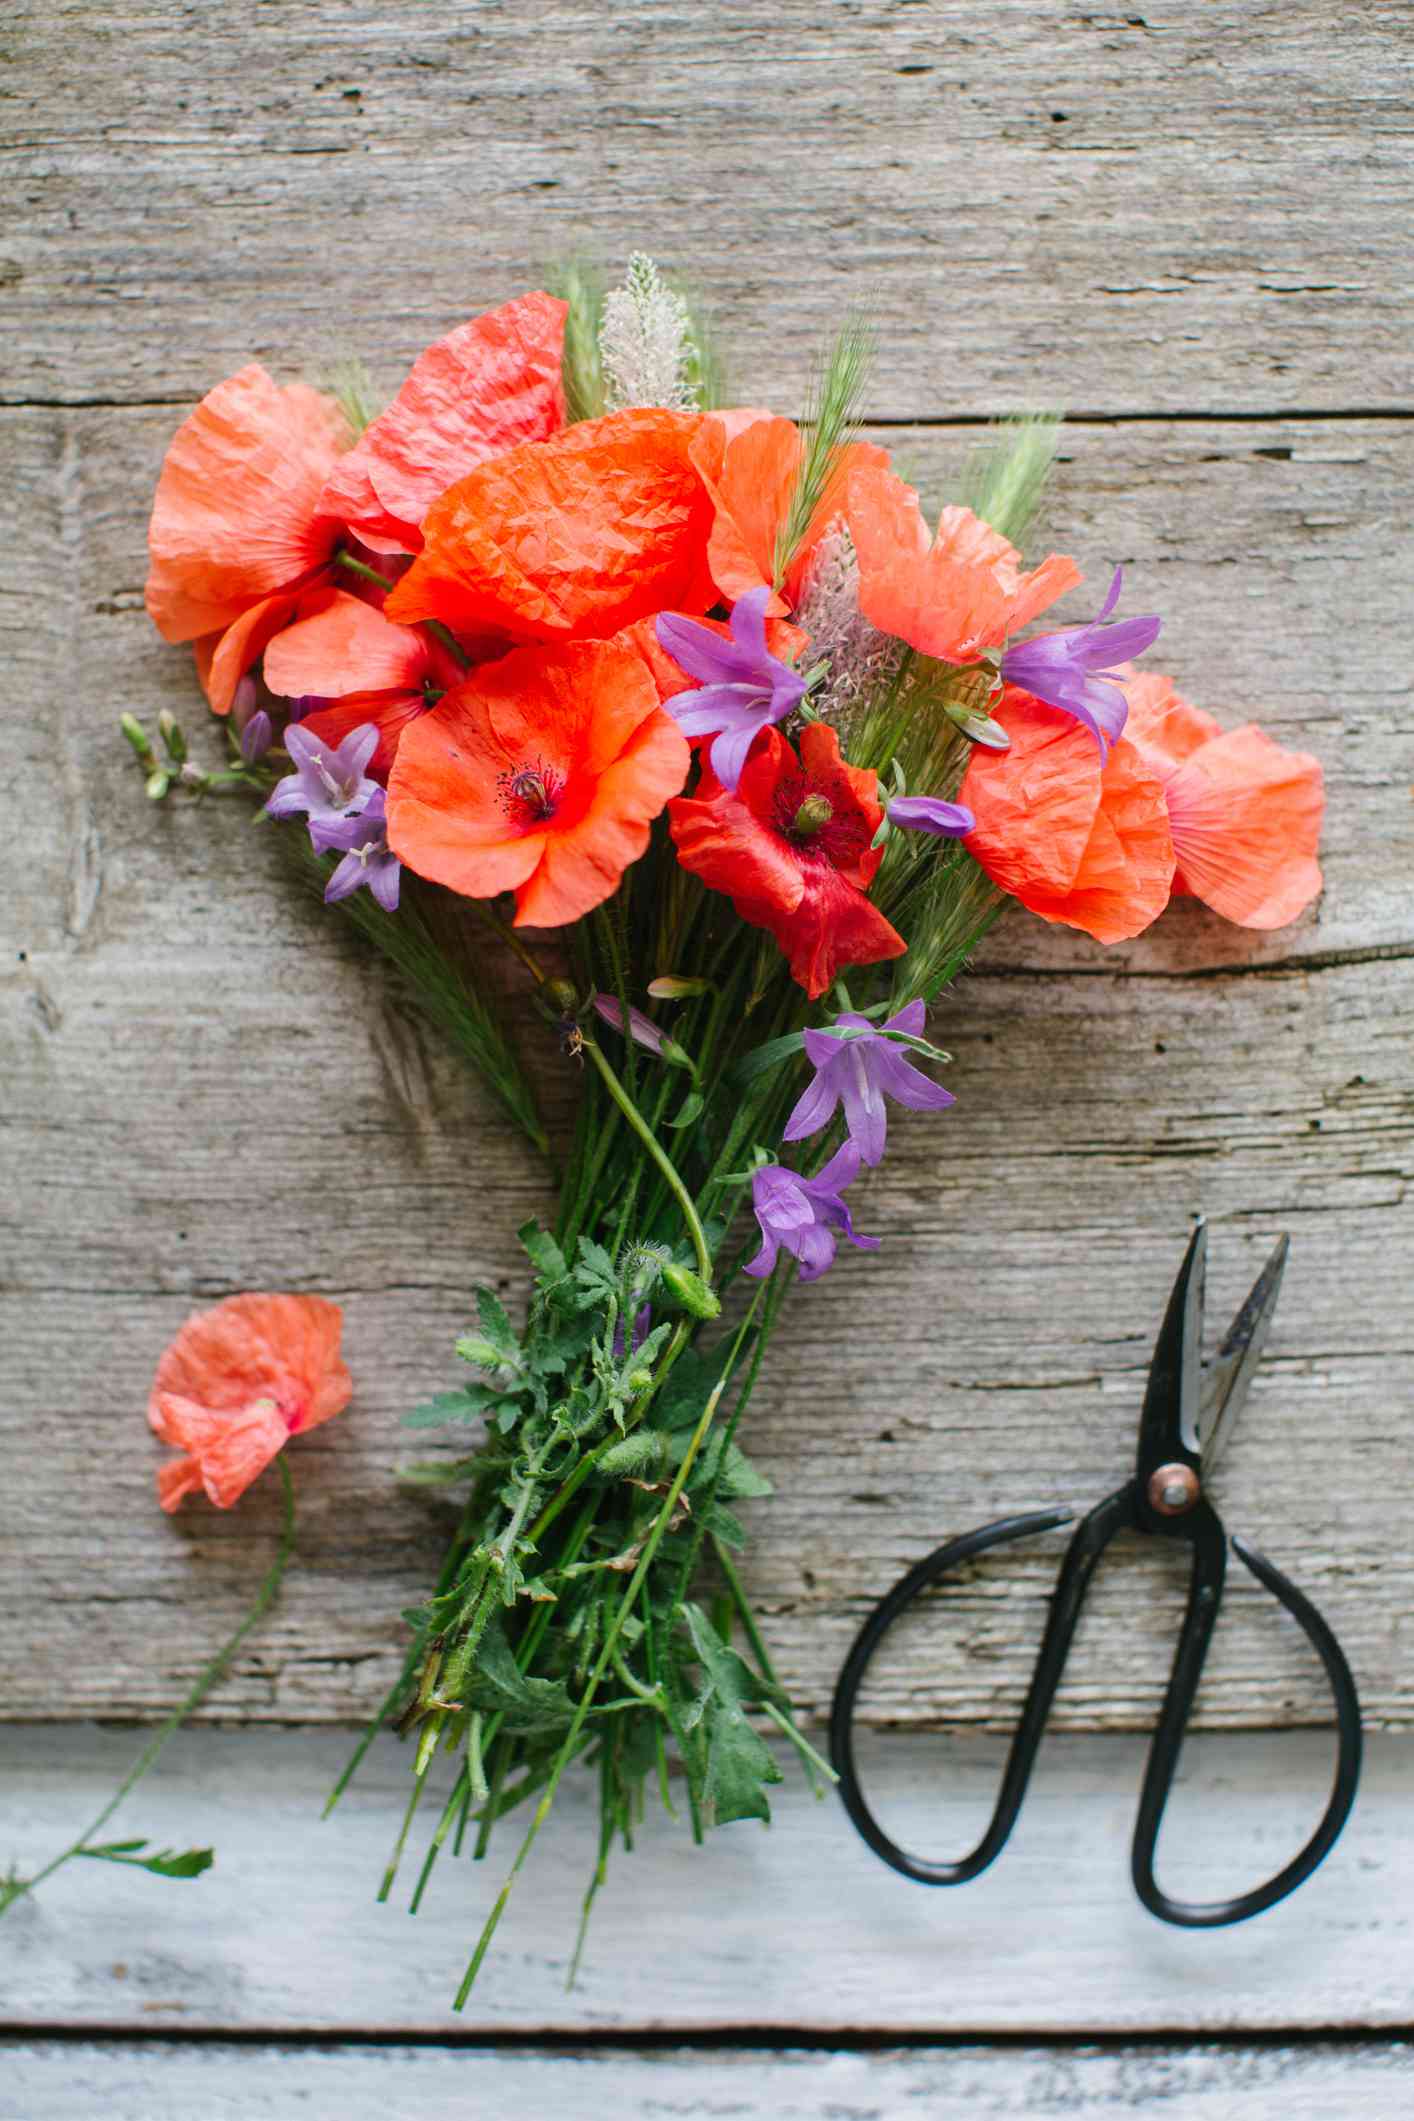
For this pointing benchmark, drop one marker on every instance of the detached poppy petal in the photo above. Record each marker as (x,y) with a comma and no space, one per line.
(487,387)
(236,514)
(953,596)
(573,538)
(1246,818)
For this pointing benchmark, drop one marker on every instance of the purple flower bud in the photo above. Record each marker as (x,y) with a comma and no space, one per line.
(641,1029)
(257,736)
(929,813)
(1074,669)
(243,701)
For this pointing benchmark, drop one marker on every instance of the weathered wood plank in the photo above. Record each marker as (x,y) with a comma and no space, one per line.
(207,1090)
(796,1929)
(1113,208)
(154,2080)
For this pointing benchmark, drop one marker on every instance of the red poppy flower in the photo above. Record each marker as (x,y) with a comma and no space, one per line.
(749,462)
(488,386)
(953,596)
(540,774)
(1081,843)
(237,529)
(368,669)
(570,539)
(1245,814)
(236,1383)
(791,849)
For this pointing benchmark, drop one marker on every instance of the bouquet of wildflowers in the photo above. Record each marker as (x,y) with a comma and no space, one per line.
(563,673)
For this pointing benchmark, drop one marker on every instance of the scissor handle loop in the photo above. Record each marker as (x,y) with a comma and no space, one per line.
(919,1579)
(1204,1598)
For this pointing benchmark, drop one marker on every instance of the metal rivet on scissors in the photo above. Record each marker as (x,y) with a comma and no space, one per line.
(1188,1413)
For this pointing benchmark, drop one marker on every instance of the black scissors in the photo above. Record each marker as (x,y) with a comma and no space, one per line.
(1188,1413)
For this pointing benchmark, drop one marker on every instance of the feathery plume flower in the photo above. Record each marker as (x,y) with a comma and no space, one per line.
(751,464)
(802,1215)
(858,1072)
(744,687)
(1244,812)
(1076,668)
(644,342)
(237,1382)
(329,782)
(362,840)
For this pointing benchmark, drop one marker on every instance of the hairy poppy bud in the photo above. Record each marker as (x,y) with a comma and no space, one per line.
(690,1291)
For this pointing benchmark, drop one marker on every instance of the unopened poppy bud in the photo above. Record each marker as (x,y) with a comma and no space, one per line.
(814,813)
(137,736)
(675,987)
(157,784)
(690,1290)
(560,995)
(172,735)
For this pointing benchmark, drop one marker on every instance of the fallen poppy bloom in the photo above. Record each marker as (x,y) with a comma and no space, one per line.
(237,529)
(570,539)
(954,596)
(369,670)
(486,387)
(1079,841)
(749,464)
(791,849)
(236,1383)
(1245,814)
(538,774)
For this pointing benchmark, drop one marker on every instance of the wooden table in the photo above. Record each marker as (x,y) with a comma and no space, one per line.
(1189,224)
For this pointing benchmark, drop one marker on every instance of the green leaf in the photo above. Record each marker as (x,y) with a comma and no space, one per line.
(546,1257)
(763,1058)
(739,1762)
(164,1863)
(464,1405)
(496,1326)
(526,1706)
(685,1391)
(594,1270)
(690,1109)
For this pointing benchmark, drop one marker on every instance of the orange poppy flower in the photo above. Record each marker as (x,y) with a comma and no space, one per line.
(368,669)
(236,1383)
(236,515)
(570,539)
(540,774)
(1245,814)
(749,463)
(486,387)
(791,849)
(1079,842)
(953,596)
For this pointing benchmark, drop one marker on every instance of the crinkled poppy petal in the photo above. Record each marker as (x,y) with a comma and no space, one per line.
(346,646)
(485,388)
(583,865)
(751,475)
(391,714)
(177,1479)
(573,538)
(953,596)
(834,925)
(1246,817)
(223,659)
(1034,804)
(231,1446)
(236,513)
(1163,728)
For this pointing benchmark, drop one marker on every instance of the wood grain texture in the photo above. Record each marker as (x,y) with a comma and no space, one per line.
(152,2081)
(1149,208)
(792,1929)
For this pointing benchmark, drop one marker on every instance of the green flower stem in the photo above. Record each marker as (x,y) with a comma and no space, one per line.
(611,1636)
(664,1162)
(208,1678)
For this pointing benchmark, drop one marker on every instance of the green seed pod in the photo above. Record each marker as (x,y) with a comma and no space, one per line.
(172,735)
(158,784)
(690,1291)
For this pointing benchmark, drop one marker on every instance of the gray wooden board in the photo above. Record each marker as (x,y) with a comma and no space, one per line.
(209,1088)
(793,1927)
(151,2081)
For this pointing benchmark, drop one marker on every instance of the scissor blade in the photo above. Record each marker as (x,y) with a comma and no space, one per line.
(1229,1375)
(1171,1400)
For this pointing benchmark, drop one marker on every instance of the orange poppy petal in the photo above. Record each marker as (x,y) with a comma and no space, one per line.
(750,468)
(236,513)
(177,1479)
(391,714)
(573,538)
(487,387)
(582,867)
(1246,818)
(954,596)
(1163,728)
(1125,875)
(347,646)
(223,659)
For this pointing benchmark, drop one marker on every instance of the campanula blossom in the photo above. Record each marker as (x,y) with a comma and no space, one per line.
(362,840)
(803,1214)
(257,736)
(744,688)
(929,813)
(859,1072)
(641,1029)
(330,782)
(1076,668)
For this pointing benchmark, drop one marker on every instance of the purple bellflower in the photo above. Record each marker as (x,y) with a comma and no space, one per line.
(860,1072)
(640,1028)
(257,736)
(803,1214)
(362,840)
(929,813)
(642,1320)
(1074,669)
(744,687)
(328,784)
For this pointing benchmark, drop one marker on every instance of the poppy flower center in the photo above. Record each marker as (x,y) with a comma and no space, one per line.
(818,819)
(531,794)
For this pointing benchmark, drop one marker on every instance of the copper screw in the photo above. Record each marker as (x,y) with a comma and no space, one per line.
(1173,1489)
